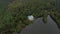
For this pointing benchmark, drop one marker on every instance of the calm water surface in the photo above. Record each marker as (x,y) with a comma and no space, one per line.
(38,27)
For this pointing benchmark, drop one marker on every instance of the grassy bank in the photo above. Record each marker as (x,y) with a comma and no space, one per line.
(56,17)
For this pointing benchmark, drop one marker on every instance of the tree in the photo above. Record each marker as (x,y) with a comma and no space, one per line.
(18,11)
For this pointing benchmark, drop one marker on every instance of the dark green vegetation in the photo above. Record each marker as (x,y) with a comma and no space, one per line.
(14,17)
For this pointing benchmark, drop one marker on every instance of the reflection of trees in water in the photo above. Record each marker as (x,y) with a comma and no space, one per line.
(17,13)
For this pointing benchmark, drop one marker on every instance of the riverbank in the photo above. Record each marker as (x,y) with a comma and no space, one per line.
(57,22)
(38,27)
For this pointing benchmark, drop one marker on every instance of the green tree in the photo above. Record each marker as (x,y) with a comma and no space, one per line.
(17,12)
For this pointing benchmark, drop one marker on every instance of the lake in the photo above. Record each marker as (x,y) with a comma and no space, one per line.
(38,27)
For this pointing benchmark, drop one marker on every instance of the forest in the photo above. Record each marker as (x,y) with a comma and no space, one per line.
(13,14)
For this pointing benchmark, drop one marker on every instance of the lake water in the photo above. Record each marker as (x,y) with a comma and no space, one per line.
(38,27)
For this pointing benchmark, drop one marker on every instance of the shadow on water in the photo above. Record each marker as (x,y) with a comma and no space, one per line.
(38,27)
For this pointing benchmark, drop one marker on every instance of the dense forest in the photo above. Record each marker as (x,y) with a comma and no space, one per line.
(14,14)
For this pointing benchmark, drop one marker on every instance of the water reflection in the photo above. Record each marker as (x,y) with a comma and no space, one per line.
(38,27)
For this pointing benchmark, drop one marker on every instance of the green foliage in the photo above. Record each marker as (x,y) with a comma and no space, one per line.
(56,17)
(15,18)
